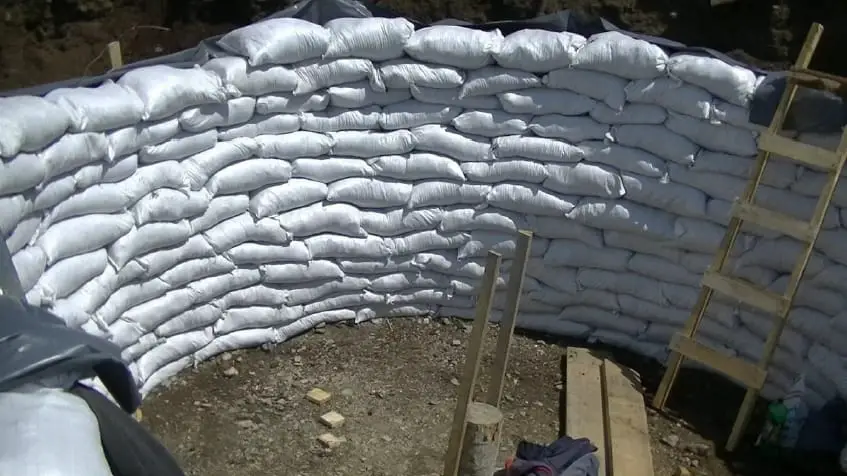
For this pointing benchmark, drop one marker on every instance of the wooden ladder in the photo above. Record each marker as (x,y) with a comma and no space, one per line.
(717,279)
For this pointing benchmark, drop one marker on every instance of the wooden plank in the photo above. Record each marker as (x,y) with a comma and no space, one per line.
(810,155)
(745,372)
(510,314)
(772,220)
(745,292)
(116,58)
(472,359)
(628,437)
(584,401)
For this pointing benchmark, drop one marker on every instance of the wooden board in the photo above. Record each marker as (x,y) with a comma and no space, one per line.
(584,401)
(627,435)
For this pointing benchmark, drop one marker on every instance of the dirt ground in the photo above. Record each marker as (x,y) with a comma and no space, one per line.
(50,40)
(244,413)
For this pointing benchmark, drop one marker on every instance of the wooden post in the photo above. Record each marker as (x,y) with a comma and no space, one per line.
(115,57)
(468,382)
(481,447)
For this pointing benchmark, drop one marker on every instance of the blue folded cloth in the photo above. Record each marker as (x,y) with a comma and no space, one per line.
(564,457)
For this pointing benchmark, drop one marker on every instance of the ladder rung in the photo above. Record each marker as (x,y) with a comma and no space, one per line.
(749,374)
(804,153)
(826,80)
(772,220)
(745,292)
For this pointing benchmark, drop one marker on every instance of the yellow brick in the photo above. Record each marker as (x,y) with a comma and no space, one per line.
(332,419)
(318,396)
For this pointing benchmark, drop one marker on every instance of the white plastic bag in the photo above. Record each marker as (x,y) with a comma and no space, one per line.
(621,55)
(166,90)
(108,106)
(376,39)
(252,81)
(277,41)
(32,122)
(538,51)
(454,46)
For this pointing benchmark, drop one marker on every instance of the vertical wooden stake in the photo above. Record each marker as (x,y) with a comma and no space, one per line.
(510,314)
(115,56)
(473,357)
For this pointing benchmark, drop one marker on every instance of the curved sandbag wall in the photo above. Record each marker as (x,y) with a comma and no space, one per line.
(363,169)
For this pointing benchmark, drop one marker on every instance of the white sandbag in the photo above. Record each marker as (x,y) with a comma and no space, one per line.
(778,173)
(724,187)
(621,283)
(327,171)
(73,447)
(66,276)
(116,171)
(248,175)
(182,145)
(21,173)
(196,318)
(732,83)
(295,193)
(673,95)
(626,159)
(396,282)
(441,140)
(561,227)
(697,235)
(429,240)
(173,349)
(252,81)
(30,263)
(293,273)
(539,101)
(657,140)
(130,140)
(604,320)
(492,123)
(235,111)
(377,39)
(537,148)
(200,167)
(337,119)
(258,253)
(205,290)
(147,238)
(453,97)
(586,179)
(371,143)
(624,216)
(277,41)
(369,192)
(403,73)
(778,254)
(717,137)
(437,193)
(29,123)
(47,196)
(195,269)
(343,302)
(243,228)
(795,205)
(318,74)
(166,204)
(219,209)
(621,55)
(127,297)
(416,166)
(261,125)
(413,113)
(361,94)
(85,300)
(575,254)
(334,246)
(494,80)
(504,243)
(447,262)
(23,233)
(63,239)
(669,196)
(632,113)
(72,151)
(454,45)
(724,112)
(468,219)
(336,218)
(529,199)
(662,269)
(294,145)
(640,244)
(12,210)
(237,319)
(505,170)
(108,106)
(558,278)
(400,221)
(291,104)
(603,87)
(371,266)
(538,51)
(245,339)
(570,128)
(166,90)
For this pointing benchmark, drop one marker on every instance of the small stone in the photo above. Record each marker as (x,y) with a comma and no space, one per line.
(456,342)
(454,381)
(386,438)
(558,386)
(682,471)
(433,402)
(671,440)
(231,372)
(332,419)
(700,449)
(247,424)
(226,356)
(347,392)
(330,441)
(318,396)
(298,360)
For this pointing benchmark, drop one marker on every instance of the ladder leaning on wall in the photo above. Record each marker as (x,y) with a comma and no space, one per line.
(717,279)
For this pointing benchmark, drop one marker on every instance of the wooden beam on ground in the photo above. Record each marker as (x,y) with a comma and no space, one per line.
(584,401)
(116,58)
(627,435)
(472,359)
(510,315)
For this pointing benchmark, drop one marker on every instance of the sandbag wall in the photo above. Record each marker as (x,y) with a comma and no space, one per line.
(362,169)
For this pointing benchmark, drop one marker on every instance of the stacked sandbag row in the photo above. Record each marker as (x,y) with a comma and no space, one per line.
(363,169)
